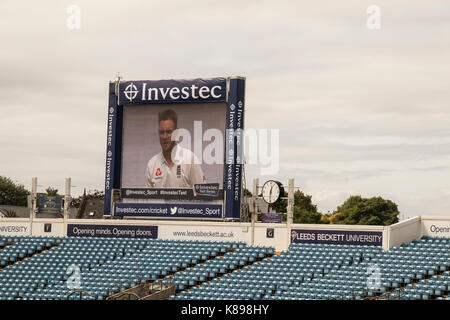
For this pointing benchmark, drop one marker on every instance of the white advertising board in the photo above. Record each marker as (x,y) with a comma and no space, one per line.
(204,233)
(14,228)
(436,228)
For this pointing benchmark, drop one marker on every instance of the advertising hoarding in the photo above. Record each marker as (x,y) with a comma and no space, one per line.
(373,238)
(14,228)
(112,231)
(164,210)
(204,233)
(436,228)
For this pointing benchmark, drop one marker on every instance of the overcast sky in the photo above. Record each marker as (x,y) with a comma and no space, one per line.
(360,111)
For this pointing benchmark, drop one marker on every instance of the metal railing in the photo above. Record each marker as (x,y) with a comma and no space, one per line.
(129,294)
(150,286)
(365,294)
(81,294)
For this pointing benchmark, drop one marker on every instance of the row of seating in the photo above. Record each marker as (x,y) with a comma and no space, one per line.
(219,266)
(17,249)
(437,286)
(311,271)
(280,273)
(104,266)
(49,267)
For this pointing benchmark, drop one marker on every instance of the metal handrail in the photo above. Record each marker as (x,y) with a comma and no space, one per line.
(152,284)
(81,293)
(128,294)
(365,292)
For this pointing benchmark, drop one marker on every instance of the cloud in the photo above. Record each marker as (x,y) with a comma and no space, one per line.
(358,110)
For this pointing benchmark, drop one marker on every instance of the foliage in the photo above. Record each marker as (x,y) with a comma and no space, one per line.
(304,210)
(366,211)
(51,192)
(247,193)
(304,201)
(12,193)
(10,213)
(325,219)
(281,205)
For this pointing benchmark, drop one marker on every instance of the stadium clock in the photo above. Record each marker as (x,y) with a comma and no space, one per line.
(272,191)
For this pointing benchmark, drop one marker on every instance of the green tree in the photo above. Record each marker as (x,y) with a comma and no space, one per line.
(325,218)
(247,193)
(12,194)
(304,201)
(304,210)
(51,192)
(281,205)
(366,211)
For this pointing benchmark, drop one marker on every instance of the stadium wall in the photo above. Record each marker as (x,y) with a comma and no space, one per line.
(49,228)
(279,236)
(404,231)
(181,230)
(271,234)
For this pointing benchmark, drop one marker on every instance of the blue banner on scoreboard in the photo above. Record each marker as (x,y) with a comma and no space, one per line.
(168,210)
(230,164)
(113,148)
(172,91)
(239,145)
(234,148)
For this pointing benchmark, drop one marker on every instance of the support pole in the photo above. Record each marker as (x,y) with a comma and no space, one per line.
(290,206)
(254,212)
(254,198)
(67,199)
(118,78)
(290,210)
(33,202)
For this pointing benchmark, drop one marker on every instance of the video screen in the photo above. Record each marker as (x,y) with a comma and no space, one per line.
(173,145)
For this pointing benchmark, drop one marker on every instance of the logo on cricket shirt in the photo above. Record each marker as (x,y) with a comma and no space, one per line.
(158,172)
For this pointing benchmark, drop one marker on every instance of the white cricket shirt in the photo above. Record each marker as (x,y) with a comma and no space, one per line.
(184,172)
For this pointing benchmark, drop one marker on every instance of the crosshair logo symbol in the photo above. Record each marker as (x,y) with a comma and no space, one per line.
(131,91)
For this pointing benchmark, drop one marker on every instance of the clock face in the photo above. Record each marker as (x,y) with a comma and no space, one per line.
(271,191)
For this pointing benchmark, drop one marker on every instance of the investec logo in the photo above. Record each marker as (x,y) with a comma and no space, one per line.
(192,92)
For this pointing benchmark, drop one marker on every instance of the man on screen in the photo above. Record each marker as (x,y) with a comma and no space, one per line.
(174,166)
